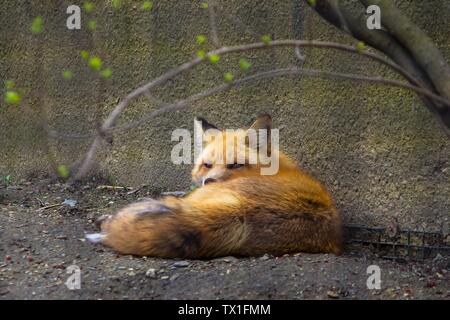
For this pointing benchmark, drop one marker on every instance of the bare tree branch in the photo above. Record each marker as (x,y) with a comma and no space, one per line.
(355,25)
(241,48)
(183,103)
(110,120)
(87,160)
(418,43)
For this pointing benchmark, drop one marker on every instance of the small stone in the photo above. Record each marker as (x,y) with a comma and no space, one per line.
(265,257)
(70,202)
(332,294)
(164,277)
(181,264)
(230,259)
(151,273)
(174,277)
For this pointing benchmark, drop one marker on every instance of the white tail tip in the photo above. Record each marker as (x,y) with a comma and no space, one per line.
(95,237)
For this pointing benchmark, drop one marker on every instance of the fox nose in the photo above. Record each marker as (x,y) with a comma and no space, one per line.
(208,180)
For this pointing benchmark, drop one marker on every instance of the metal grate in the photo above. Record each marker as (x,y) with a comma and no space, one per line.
(397,244)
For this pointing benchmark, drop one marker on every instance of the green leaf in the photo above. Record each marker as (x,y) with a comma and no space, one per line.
(84,54)
(88,6)
(106,73)
(228,76)
(116,4)
(244,64)
(63,172)
(6,179)
(37,25)
(12,97)
(214,58)
(204,5)
(9,84)
(67,74)
(312,3)
(360,45)
(201,53)
(147,5)
(95,63)
(266,38)
(92,25)
(201,39)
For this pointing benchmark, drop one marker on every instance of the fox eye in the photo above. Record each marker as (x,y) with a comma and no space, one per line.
(234,165)
(207,165)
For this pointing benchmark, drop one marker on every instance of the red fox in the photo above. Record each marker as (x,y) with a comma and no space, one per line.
(236,211)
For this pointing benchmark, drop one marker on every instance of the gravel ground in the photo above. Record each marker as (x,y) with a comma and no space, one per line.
(40,238)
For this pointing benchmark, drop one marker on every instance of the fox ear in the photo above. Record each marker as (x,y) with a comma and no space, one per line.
(202,125)
(263,122)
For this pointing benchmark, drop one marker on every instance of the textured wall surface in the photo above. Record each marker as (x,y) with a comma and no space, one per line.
(377,149)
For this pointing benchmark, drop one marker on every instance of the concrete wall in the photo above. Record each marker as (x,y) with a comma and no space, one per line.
(378,149)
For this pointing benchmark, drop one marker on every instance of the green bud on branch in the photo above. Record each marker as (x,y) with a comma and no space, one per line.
(147,5)
(244,64)
(12,97)
(88,6)
(37,25)
(67,74)
(95,63)
(62,171)
(201,39)
(228,77)
(214,58)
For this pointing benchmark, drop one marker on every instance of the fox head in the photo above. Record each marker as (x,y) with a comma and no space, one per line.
(227,154)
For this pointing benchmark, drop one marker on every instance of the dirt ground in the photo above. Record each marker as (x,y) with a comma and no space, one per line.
(40,238)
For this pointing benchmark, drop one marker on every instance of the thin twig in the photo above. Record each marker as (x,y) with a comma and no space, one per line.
(50,206)
(247,47)
(213,23)
(86,162)
(183,103)
(110,120)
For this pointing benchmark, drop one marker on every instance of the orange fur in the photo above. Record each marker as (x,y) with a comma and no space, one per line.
(241,213)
